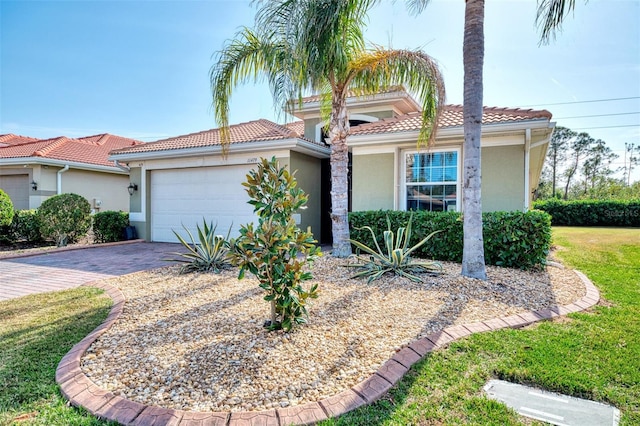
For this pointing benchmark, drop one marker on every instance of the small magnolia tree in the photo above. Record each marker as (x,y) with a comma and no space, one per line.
(276,250)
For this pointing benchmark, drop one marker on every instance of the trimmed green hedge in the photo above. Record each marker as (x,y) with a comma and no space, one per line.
(6,209)
(24,227)
(592,212)
(109,226)
(511,239)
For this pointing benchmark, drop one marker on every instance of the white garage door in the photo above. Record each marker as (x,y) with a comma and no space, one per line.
(17,188)
(185,196)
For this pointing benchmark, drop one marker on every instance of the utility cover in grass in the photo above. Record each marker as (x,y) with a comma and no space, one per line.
(554,408)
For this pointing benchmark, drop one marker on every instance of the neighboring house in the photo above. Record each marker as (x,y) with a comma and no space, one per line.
(186,178)
(32,170)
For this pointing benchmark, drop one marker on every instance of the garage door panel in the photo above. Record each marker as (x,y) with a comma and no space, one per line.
(17,188)
(186,196)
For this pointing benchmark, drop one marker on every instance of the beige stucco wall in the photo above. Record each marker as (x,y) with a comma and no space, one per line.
(109,188)
(308,175)
(503,178)
(373,182)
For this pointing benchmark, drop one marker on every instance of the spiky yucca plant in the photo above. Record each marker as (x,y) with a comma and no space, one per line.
(211,252)
(395,258)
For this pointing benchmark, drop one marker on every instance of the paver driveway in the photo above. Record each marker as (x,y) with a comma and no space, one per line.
(68,269)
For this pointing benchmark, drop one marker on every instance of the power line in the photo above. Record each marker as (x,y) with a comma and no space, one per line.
(606,127)
(582,102)
(597,115)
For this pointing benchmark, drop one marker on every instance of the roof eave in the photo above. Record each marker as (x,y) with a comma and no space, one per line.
(451,132)
(16,161)
(295,144)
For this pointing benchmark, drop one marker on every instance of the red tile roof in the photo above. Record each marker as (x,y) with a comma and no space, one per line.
(11,139)
(451,117)
(252,131)
(91,149)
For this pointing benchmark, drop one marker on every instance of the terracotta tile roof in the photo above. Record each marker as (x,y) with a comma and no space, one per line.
(91,149)
(297,127)
(252,131)
(11,139)
(451,117)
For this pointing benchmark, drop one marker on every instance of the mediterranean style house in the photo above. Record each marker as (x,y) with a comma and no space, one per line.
(184,179)
(32,170)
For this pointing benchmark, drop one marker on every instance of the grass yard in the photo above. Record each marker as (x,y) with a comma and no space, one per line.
(592,355)
(35,333)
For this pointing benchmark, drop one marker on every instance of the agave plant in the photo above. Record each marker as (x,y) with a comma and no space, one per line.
(395,258)
(210,253)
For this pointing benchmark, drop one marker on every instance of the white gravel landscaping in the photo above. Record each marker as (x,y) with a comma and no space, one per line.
(197,342)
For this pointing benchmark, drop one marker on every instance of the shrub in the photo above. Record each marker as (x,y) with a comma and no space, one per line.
(511,239)
(592,212)
(6,209)
(276,250)
(26,226)
(109,226)
(396,256)
(212,252)
(65,218)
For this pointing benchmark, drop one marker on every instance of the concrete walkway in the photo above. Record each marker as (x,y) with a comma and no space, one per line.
(69,268)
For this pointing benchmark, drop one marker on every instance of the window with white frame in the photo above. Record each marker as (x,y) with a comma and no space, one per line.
(432,180)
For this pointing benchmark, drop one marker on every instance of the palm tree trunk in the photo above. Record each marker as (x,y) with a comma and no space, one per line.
(473,56)
(338,131)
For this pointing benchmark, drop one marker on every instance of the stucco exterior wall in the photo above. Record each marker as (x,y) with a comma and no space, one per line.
(110,189)
(373,182)
(308,175)
(503,178)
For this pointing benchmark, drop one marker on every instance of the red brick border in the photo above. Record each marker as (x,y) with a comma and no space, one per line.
(81,391)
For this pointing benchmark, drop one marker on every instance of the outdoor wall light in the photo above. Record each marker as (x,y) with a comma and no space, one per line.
(132,188)
(34,185)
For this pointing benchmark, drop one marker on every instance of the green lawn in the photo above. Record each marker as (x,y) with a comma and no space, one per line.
(35,333)
(592,355)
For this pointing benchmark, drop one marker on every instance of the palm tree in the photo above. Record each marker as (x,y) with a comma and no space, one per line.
(473,264)
(302,46)
(550,15)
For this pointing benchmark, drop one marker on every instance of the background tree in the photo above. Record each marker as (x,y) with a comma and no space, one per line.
(302,46)
(597,164)
(556,153)
(579,145)
(631,160)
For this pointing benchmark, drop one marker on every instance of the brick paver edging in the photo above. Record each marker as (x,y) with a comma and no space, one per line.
(81,391)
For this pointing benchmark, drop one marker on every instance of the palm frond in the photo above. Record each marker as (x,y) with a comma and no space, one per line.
(550,16)
(418,72)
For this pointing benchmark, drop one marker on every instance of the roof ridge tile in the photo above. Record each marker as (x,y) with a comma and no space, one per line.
(42,152)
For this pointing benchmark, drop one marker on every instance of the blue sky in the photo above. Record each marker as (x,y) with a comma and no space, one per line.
(140,68)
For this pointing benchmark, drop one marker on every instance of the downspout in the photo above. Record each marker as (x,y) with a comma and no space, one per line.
(527,148)
(59,180)
(121,167)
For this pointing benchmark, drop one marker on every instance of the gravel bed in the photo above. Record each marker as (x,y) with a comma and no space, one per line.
(197,342)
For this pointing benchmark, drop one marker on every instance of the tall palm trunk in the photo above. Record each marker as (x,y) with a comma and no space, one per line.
(473,56)
(339,129)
